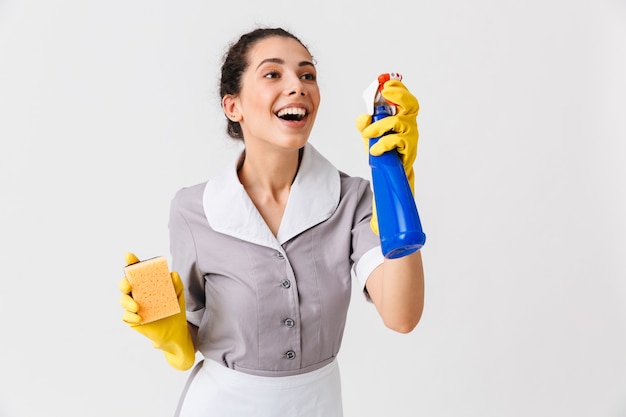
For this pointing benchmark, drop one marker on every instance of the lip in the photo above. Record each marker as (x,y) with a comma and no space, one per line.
(294,124)
(293,106)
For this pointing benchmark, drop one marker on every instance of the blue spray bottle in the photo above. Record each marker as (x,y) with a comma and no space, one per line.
(399,225)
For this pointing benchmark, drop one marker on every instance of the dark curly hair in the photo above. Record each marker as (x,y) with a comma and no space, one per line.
(235,63)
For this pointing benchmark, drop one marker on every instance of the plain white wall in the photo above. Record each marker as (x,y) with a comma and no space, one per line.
(108,107)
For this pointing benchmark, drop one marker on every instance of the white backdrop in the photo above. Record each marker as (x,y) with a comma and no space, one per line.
(108,107)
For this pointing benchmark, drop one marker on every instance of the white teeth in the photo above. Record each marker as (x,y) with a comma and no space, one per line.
(296,111)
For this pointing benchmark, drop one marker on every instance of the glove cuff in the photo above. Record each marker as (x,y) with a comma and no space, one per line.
(181,353)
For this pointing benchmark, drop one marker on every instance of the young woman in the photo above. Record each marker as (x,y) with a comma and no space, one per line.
(264,252)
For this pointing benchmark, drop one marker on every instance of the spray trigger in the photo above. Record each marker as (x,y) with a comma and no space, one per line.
(372,95)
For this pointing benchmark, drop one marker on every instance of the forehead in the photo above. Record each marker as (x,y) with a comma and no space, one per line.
(285,48)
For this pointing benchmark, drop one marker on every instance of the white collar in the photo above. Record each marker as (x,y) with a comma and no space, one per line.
(313,198)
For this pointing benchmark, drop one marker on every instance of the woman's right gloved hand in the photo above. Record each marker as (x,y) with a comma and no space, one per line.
(170,334)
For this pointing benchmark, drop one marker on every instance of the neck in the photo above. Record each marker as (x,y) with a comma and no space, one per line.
(267,178)
(269,172)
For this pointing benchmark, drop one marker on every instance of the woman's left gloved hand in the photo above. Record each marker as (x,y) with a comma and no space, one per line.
(403,136)
(403,127)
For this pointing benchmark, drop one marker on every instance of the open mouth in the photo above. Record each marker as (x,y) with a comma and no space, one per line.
(292,114)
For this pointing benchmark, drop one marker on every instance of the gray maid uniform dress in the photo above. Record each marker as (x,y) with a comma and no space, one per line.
(271,310)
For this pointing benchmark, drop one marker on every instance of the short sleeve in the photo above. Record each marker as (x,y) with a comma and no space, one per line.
(185,258)
(366,250)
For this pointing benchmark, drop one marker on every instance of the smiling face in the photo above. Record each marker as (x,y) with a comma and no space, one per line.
(279,94)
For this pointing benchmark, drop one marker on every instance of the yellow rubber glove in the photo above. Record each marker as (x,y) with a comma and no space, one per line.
(403,127)
(170,334)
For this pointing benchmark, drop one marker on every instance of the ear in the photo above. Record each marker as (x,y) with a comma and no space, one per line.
(231,107)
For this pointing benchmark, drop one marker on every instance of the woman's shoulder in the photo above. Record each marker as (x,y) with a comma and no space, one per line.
(189,196)
(354,188)
(351,181)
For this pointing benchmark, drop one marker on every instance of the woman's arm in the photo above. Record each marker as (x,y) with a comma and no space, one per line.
(397,290)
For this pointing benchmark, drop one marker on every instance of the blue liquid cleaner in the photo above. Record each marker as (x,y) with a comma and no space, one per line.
(399,226)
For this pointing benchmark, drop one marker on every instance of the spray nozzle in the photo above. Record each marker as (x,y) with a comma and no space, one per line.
(372,94)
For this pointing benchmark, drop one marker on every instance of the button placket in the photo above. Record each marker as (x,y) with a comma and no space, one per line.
(290,320)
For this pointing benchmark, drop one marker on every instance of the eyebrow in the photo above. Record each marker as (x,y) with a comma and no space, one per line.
(282,62)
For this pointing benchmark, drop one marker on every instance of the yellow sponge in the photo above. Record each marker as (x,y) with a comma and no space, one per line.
(152,288)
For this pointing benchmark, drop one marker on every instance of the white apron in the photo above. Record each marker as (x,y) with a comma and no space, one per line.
(214,390)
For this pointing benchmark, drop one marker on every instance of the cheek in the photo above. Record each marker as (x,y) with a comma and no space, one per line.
(316,98)
(257,103)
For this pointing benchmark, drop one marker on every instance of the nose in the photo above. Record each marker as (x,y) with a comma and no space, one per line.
(296,87)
